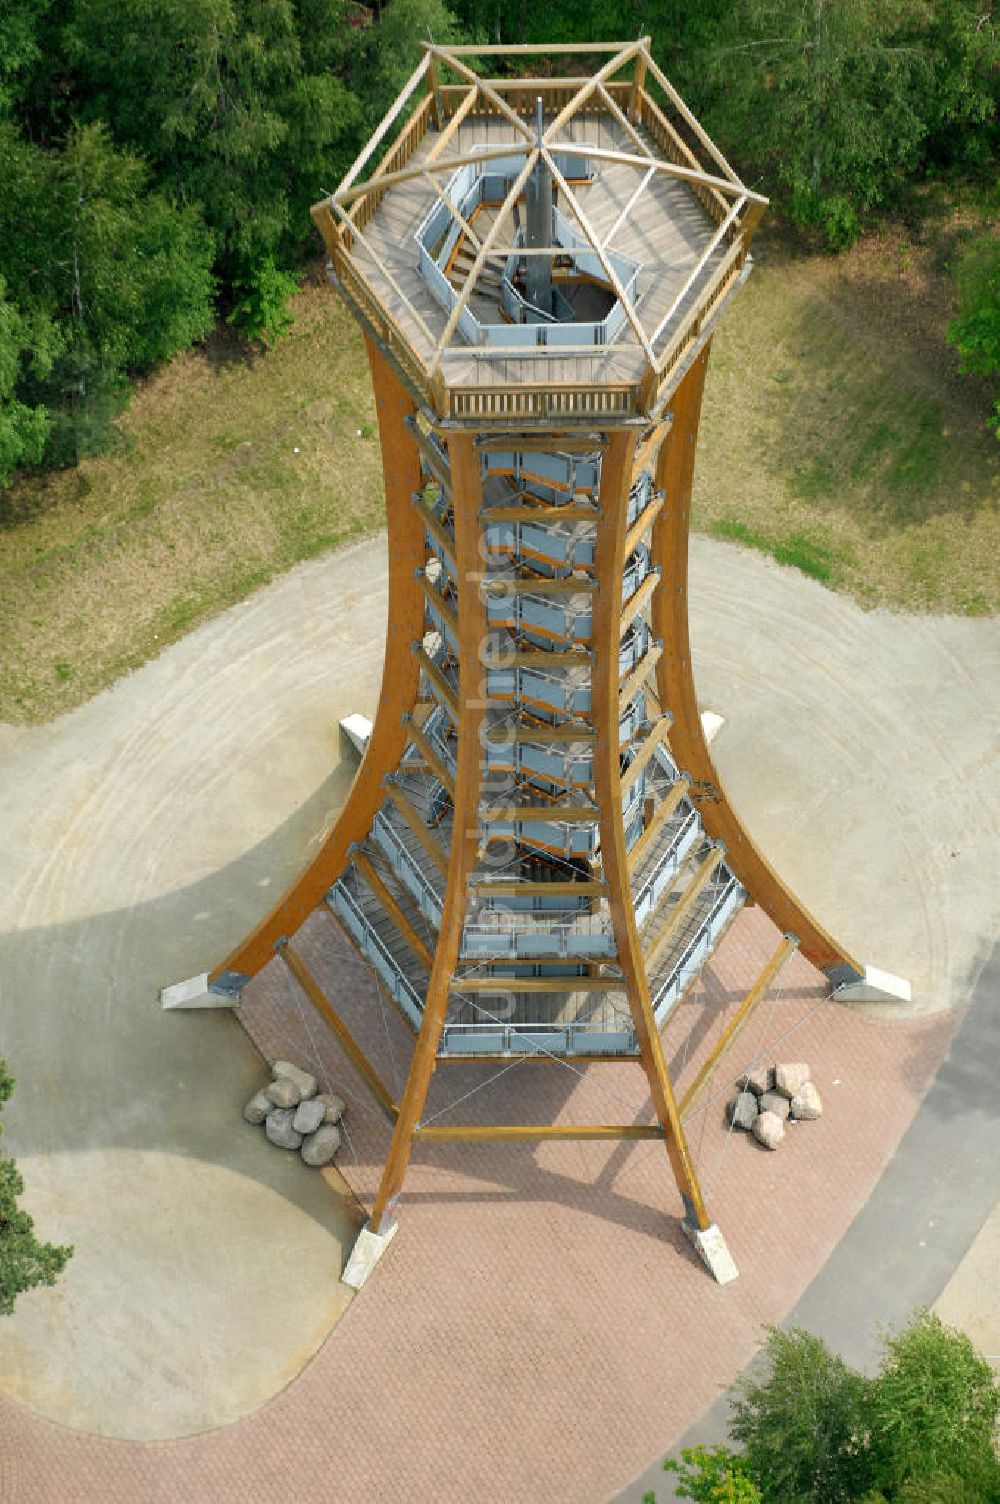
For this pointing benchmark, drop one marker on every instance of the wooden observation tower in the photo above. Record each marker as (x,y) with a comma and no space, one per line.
(537,855)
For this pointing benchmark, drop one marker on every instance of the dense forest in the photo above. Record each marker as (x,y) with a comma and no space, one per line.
(158,161)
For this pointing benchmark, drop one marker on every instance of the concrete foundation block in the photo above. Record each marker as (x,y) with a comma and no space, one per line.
(711,724)
(358,730)
(712,1251)
(195,993)
(876,987)
(366,1253)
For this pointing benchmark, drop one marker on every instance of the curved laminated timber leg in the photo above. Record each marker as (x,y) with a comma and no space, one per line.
(400,679)
(676,690)
(609,562)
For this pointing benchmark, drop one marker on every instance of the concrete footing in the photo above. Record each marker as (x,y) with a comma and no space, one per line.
(366,1253)
(875,987)
(195,993)
(712,1251)
(358,730)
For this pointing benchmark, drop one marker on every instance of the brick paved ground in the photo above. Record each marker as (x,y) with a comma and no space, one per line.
(539,1330)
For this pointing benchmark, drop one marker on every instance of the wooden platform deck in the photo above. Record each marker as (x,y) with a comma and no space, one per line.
(666,230)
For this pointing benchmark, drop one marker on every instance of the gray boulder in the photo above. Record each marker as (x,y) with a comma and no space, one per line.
(335,1106)
(742,1110)
(791,1077)
(284,1093)
(284,1070)
(258,1107)
(773,1101)
(278,1127)
(806,1103)
(768,1129)
(759,1080)
(308,1116)
(320,1147)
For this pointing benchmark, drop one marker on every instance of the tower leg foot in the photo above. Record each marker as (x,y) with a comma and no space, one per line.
(712,1251)
(365,1254)
(873,986)
(195,992)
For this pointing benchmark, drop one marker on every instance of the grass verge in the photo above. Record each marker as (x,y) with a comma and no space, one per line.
(837,437)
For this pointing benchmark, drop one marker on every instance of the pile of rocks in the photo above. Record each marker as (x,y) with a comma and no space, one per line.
(772,1095)
(295,1116)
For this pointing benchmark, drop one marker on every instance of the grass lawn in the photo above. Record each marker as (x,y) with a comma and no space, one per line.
(837,436)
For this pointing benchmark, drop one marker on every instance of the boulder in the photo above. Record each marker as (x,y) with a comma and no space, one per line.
(308,1116)
(742,1110)
(284,1093)
(258,1107)
(759,1080)
(278,1127)
(773,1101)
(335,1106)
(284,1070)
(320,1147)
(806,1104)
(768,1129)
(791,1077)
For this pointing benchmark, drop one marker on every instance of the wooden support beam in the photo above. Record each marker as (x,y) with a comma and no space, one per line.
(541,585)
(537,984)
(647,663)
(609,565)
(434,598)
(519,814)
(400,680)
(540,658)
(786,949)
(637,602)
(472,277)
(700,880)
(436,462)
(468,103)
(676,687)
(481,1133)
(568,512)
(399,919)
(614,64)
(642,524)
(420,739)
(642,758)
(466,471)
(437,529)
(332,1018)
(543,735)
(445,692)
(385,123)
(664,810)
(555,443)
(514,888)
(432,847)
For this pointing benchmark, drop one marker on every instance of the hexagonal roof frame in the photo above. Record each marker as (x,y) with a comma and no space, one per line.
(664,141)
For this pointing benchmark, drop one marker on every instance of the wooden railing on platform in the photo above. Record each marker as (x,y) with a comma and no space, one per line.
(676,136)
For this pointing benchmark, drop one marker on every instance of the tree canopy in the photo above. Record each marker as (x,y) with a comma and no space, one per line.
(159,161)
(815,1431)
(24,1262)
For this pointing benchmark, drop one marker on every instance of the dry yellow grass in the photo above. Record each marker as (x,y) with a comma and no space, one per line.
(837,436)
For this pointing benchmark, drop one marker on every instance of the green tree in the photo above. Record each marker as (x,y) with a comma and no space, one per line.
(24,1262)
(803,1426)
(836,106)
(713,1475)
(976,331)
(933,1409)
(23,429)
(237,104)
(119,275)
